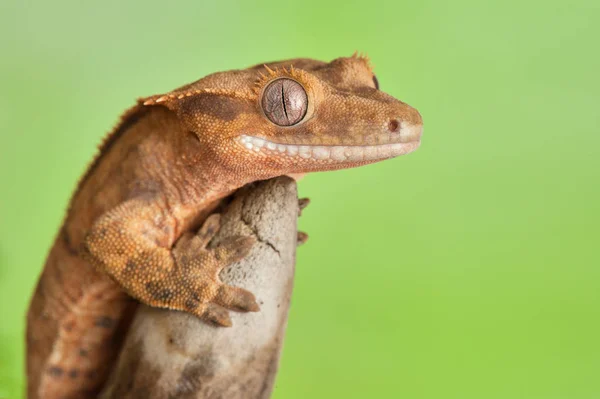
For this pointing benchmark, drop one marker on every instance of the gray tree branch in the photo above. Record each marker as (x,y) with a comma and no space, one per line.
(170,354)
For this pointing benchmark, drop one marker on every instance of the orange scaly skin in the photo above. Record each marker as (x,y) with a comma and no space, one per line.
(131,230)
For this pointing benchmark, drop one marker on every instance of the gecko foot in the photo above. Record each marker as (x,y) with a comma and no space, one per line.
(198,267)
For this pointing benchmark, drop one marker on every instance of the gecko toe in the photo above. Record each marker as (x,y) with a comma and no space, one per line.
(302,238)
(237,299)
(216,315)
(302,203)
(234,249)
(209,229)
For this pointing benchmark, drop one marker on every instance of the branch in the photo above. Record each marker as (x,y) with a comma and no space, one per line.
(170,354)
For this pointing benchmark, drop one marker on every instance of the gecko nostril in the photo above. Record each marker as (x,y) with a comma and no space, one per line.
(393,125)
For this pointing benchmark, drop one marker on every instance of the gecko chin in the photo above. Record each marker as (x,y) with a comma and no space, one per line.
(373,147)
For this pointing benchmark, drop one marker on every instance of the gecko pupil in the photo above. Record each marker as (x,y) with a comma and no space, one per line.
(376,82)
(284,102)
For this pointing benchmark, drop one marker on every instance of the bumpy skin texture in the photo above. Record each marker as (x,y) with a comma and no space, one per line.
(131,231)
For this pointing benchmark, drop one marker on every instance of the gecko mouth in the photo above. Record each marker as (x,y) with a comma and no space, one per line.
(333,153)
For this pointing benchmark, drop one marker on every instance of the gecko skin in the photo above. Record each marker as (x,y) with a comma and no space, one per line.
(138,223)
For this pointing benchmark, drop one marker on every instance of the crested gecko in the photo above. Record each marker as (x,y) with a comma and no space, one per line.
(140,219)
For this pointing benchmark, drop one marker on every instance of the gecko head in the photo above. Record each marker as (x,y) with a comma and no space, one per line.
(296,116)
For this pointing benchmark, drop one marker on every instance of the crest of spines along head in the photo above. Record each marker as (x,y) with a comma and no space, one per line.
(264,78)
(179,95)
(365,58)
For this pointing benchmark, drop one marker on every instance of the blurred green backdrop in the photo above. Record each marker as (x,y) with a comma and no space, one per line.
(469,269)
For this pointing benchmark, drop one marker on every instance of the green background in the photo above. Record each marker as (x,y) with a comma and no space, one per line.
(469,269)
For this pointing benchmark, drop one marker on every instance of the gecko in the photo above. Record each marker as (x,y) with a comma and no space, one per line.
(138,225)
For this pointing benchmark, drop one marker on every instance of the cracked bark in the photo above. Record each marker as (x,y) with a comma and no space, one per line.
(170,354)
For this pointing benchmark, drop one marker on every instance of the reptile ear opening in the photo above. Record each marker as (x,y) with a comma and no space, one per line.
(284,101)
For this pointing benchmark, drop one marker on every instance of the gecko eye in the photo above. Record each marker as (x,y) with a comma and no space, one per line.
(376,82)
(284,101)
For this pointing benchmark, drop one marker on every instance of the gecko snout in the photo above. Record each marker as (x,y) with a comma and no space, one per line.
(398,130)
(408,132)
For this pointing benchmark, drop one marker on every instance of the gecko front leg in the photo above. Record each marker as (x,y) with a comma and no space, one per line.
(129,245)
